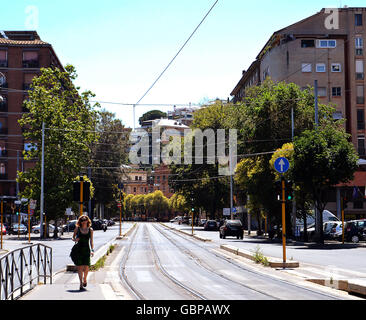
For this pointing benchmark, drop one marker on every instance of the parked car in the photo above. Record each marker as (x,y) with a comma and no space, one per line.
(336,232)
(233,228)
(202,222)
(355,231)
(328,228)
(3,230)
(210,225)
(21,227)
(70,226)
(175,219)
(98,224)
(185,220)
(111,223)
(35,229)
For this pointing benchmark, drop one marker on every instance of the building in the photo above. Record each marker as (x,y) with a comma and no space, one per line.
(311,50)
(307,51)
(22,54)
(183,115)
(142,181)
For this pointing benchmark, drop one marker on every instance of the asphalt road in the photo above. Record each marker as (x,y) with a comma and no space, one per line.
(161,264)
(349,257)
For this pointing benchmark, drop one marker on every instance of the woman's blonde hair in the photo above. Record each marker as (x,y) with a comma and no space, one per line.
(80,220)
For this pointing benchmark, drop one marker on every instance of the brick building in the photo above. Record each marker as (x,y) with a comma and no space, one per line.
(22,54)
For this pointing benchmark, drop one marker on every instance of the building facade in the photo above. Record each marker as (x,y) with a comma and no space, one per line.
(22,54)
(309,50)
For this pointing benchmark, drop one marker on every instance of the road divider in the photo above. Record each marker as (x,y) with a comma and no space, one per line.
(272,262)
(186,233)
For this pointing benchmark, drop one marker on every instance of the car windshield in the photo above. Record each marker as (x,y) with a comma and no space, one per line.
(234,223)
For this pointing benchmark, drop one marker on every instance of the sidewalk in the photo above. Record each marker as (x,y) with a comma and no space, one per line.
(104,284)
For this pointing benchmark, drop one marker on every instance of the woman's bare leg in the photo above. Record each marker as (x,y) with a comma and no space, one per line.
(80,273)
(86,270)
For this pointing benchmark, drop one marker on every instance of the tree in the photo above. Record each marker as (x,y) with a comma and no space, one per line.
(110,151)
(178,203)
(323,158)
(152,115)
(263,120)
(70,120)
(200,183)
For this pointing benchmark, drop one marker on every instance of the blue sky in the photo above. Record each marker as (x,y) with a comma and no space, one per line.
(119,47)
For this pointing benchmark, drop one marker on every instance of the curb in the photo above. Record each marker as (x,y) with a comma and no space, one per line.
(273,262)
(186,233)
(101,251)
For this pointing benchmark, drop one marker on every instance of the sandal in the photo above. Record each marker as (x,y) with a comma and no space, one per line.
(85,284)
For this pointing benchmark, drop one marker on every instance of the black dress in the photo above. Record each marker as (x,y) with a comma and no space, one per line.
(83,257)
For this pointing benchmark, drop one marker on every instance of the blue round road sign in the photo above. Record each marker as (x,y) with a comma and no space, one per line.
(282,165)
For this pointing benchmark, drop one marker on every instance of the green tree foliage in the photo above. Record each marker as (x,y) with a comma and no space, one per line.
(109,152)
(70,120)
(323,158)
(152,115)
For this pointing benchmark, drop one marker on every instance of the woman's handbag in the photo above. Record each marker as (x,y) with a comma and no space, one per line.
(74,253)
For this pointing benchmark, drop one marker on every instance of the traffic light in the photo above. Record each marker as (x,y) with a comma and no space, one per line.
(289,191)
(76,191)
(278,190)
(345,202)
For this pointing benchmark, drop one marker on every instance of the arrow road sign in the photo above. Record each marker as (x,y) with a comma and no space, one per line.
(282,165)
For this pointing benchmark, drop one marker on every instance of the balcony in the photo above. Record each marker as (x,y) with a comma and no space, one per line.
(31,64)
(3,63)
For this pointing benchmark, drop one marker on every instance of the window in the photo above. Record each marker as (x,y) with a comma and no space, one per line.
(3,58)
(361,146)
(320,67)
(30,59)
(336,91)
(359,46)
(336,67)
(322,91)
(360,119)
(134,189)
(2,169)
(359,70)
(326,43)
(306,67)
(307,43)
(360,95)
(358,19)
(3,151)
(136,178)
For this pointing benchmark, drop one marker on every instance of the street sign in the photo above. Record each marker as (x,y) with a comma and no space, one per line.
(119,205)
(226,211)
(282,165)
(234,209)
(32,204)
(31,212)
(24,200)
(17,202)
(68,212)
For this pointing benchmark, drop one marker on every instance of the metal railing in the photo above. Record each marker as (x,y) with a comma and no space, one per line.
(22,269)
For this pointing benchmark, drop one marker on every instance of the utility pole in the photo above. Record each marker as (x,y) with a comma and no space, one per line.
(81,195)
(89,203)
(42,186)
(283,220)
(17,185)
(231,184)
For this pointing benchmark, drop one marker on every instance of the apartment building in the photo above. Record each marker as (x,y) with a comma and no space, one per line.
(141,181)
(309,50)
(22,54)
(183,115)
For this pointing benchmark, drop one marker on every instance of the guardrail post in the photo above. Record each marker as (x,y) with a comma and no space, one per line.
(38,263)
(30,264)
(12,276)
(45,266)
(21,272)
(51,254)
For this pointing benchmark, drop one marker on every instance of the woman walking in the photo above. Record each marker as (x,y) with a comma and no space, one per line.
(83,235)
